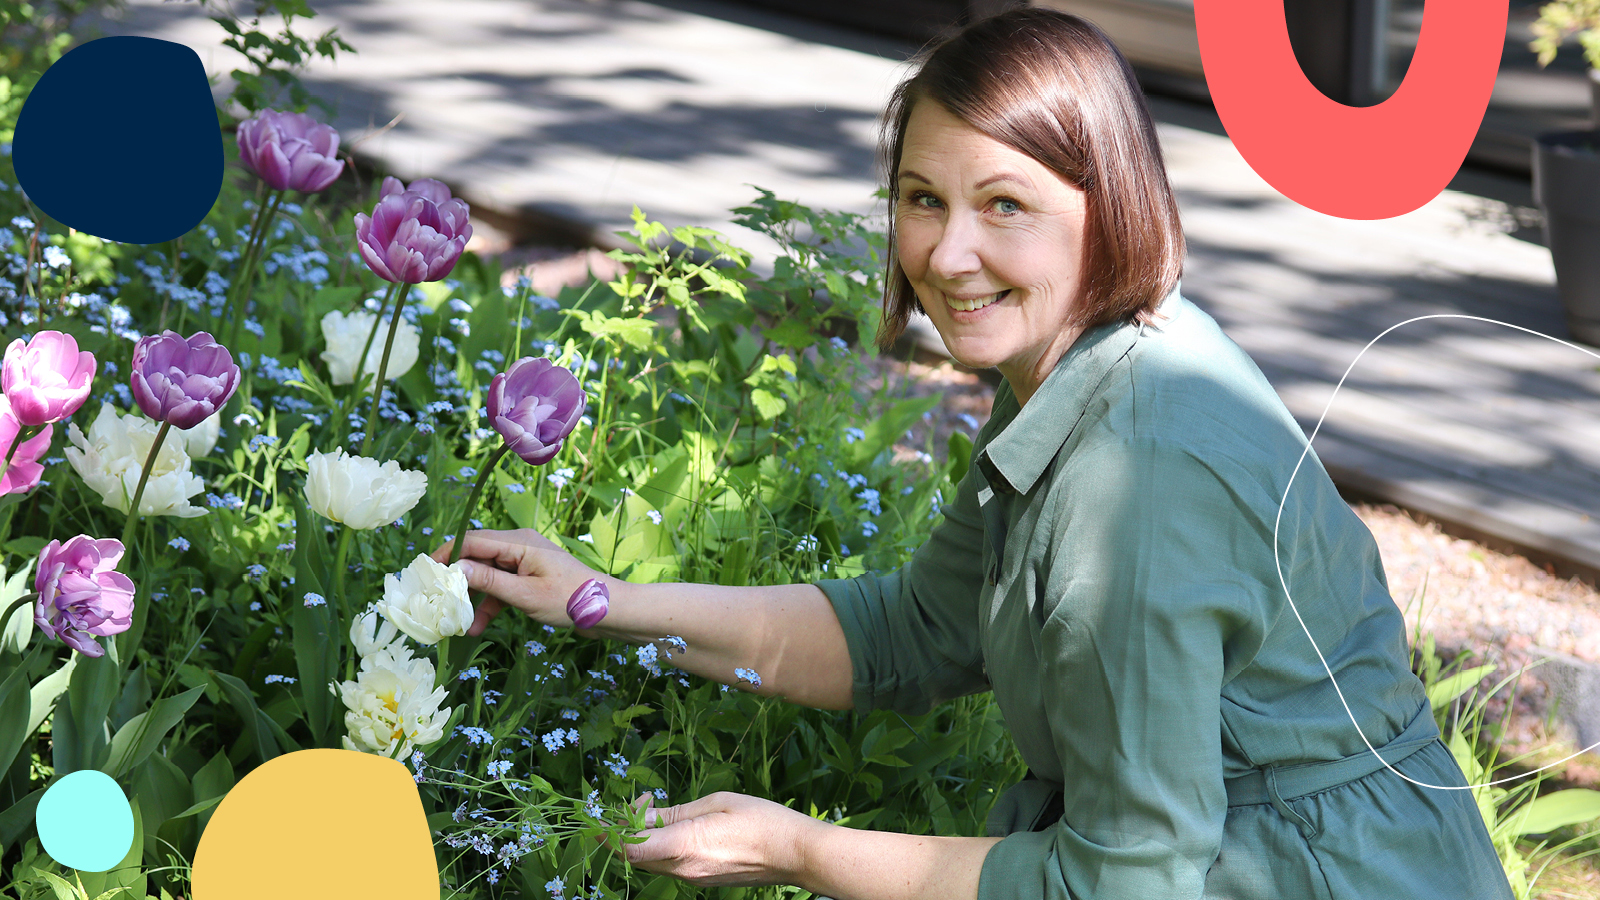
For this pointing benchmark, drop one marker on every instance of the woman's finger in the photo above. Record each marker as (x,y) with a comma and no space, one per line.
(499,547)
(487,610)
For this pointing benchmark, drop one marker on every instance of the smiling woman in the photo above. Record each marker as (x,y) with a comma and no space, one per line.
(1118,566)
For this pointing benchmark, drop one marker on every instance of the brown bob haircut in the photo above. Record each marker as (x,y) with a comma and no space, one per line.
(1052,86)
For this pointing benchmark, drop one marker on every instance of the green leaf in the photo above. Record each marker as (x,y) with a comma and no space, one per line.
(884,430)
(49,689)
(212,782)
(1442,694)
(142,734)
(960,454)
(18,818)
(1558,810)
(63,889)
(255,729)
(18,630)
(316,644)
(15,709)
(128,872)
(96,682)
(767,404)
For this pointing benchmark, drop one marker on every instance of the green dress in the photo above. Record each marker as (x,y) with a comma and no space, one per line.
(1107,569)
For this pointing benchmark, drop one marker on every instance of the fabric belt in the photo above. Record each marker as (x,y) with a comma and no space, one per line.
(1277,784)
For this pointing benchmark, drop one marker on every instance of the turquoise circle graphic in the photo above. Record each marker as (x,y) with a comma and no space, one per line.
(85,822)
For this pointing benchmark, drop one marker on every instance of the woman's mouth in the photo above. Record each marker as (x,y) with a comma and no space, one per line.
(975,303)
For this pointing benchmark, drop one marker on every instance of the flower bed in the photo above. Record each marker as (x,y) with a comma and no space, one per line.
(271,590)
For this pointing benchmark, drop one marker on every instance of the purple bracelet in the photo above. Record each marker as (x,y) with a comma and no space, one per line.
(589,604)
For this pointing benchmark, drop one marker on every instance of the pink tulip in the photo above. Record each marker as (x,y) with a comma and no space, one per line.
(290,151)
(589,604)
(25,470)
(47,378)
(80,596)
(416,233)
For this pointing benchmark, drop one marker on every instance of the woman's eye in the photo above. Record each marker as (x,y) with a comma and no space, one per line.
(919,197)
(1007,207)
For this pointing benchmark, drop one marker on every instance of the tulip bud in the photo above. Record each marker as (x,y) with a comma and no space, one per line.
(182,381)
(47,378)
(589,604)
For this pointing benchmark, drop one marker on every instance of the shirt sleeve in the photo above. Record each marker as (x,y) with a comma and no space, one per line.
(1153,597)
(912,633)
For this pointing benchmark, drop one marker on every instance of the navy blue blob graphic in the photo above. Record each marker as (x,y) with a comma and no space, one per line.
(119,138)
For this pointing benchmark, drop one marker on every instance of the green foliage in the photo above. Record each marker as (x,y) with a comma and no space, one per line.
(276,56)
(1511,814)
(1561,18)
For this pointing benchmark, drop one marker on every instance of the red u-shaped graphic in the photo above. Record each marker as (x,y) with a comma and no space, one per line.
(1354,163)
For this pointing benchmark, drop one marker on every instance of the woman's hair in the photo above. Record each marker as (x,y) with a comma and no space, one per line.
(1053,86)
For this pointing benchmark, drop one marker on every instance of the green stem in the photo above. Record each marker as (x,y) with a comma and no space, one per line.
(442,673)
(144,478)
(361,364)
(339,567)
(24,600)
(472,502)
(383,368)
(248,273)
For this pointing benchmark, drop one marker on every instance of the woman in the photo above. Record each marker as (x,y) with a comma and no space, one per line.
(1110,553)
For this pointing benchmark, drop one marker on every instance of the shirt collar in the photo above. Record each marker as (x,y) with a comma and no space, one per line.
(1015,458)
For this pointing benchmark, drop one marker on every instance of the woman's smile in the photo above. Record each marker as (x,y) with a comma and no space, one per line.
(991,242)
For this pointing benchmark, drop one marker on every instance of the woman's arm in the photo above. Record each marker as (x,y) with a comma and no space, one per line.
(787,633)
(851,864)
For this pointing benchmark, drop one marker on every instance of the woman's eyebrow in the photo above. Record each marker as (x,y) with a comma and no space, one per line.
(909,175)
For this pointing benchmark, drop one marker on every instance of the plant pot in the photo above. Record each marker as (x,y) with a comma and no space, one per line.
(1566,184)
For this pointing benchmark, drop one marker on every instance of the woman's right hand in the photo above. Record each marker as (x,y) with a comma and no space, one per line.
(523,569)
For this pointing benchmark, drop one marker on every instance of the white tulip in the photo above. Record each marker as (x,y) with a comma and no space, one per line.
(112,456)
(202,439)
(427,600)
(392,706)
(358,492)
(346,334)
(369,637)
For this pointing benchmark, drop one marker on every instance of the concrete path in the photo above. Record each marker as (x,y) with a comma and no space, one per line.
(572,111)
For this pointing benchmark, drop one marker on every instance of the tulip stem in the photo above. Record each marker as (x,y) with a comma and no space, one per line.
(361,364)
(383,368)
(339,567)
(144,478)
(472,502)
(252,253)
(20,602)
(22,436)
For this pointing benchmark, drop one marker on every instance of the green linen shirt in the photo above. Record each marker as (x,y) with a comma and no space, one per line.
(1107,569)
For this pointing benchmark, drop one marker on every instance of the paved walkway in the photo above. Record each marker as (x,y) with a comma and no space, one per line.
(574,110)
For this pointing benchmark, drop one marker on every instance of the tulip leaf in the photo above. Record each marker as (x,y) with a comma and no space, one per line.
(49,689)
(135,698)
(18,630)
(211,783)
(255,729)
(142,734)
(95,684)
(17,819)
(15,707)
(315,645)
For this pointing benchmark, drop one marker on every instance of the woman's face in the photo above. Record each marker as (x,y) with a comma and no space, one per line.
(981,225)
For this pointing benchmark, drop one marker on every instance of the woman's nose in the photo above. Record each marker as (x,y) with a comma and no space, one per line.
(956,254)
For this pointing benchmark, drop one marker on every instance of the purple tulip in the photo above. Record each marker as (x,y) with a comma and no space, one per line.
(47,378)
(534,405)
(80,597)
(25,470)
(290,151)
(182,382)
(416,232)
(589,604)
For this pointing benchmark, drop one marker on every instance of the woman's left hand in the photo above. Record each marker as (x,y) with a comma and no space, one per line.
(722,839)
